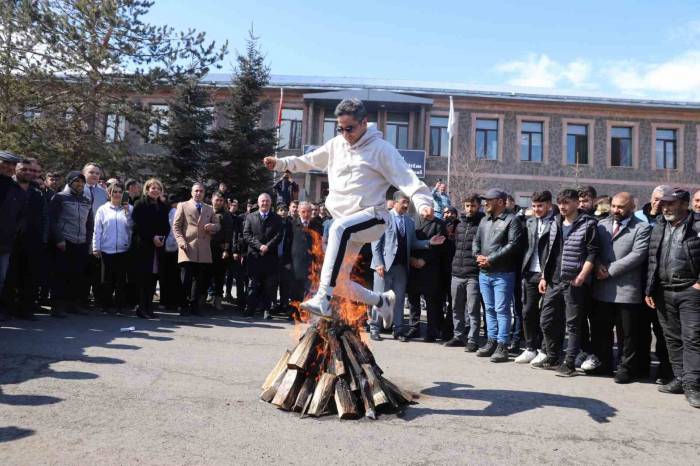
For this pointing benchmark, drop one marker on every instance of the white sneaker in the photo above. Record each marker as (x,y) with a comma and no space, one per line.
(386,311)
(580,358)
(541,356)
(591,363)
(318,305)
(526,357)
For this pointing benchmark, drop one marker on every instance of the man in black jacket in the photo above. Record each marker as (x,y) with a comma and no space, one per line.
(566,281)
(673,288)
(284,258)
(220,246)
(262,232)
(498,250)
(32,233)
(537,231)
(464,286)
(303,233)
(12,201)
(236,268)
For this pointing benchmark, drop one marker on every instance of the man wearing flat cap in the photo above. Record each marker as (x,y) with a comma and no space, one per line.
(498,246)
(12,201)
(673,288)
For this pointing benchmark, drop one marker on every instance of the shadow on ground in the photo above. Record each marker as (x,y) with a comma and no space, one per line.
(507,402)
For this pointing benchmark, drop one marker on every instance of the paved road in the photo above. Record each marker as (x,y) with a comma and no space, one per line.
(77,391)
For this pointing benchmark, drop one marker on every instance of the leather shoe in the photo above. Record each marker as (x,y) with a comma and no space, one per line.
(413,333)
(622,377)
(692,394)
(375,336)
(400,337)
(675,387)
(455,342)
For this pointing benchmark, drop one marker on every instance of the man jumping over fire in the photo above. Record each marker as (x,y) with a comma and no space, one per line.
(361,167)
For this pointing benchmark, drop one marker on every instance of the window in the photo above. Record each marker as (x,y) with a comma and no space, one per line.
(115,127)
(486,139)
(438,136)
(666,149)
(290,129)
(621,146)
(329,125)
(159,127)
(397,130)
(577,144)
(531,136)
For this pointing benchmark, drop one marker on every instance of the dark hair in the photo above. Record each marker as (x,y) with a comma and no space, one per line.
(510,198)
(53,175)
(567,194)
(217,194)
(129,183)
(471,197)
(398,195)
(589,191)
(541,196)
(352,107)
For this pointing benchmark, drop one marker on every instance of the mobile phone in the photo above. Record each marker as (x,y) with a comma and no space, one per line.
(125,198)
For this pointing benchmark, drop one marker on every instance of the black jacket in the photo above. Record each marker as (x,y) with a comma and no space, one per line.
(430,276)
(150,219)
(12,204)
(256,233)
(502,243)
(238,245)
(225,233)
(33,227)
(464,261)
(540,247)
(580,246)
(302,240)
(691,247)
(286,242)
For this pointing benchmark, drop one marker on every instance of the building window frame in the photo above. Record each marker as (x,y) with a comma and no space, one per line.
(400,125)
(293,138)
(440,128)
(156,129)
(680,146)
(634,126)
(590,123)
(520,119)
(487,116)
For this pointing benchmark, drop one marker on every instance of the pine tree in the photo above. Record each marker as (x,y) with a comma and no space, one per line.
(242,142)
(188,135)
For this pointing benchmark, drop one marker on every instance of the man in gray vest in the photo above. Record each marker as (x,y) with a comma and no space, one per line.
(624,244)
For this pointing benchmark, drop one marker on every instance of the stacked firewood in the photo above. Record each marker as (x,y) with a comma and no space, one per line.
(332,371)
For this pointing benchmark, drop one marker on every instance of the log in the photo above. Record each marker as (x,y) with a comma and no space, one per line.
(337,354)
(344,400)
(304,353)
(322,393)
(398,391)
(306,391)
(367,399)
(269,393)
(288,390)
(355,369)
(364,355)
(379,396)
(281,366)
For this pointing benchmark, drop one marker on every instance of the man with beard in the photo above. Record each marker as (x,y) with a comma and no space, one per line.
(220,246)
(673,288)
(587,196)
(32,234)
(696,202)
(617,290)
(236,268)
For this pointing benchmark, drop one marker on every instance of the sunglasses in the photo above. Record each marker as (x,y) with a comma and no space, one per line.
(347,129)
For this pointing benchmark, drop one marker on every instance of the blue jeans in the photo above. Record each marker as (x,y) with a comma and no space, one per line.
(497,293)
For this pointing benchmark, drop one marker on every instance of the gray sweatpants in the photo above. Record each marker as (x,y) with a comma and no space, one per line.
(466,308)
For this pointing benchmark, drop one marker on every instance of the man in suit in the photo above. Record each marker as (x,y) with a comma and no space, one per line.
(391,255)
(262,232)
(304,232)
(194,224)
(537,231)
(220,246)
(624,244)
(97,197)
(284,257)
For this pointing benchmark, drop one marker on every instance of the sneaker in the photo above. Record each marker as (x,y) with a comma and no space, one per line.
(375,336)
(526,357)
(471,347)
(580,358)
(318,305)
(541,356)
(487,350)
(455,342)
(674,387)
(386,310)
(591,363)
(566,369)
(692,394)
(501,353)
(547,363)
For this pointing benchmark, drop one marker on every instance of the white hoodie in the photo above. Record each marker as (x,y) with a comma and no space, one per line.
(360,175)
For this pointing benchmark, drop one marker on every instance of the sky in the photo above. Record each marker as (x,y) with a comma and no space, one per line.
(625,48)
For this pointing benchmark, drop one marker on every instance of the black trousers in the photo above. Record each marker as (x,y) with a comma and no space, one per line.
(531,311)
(517,327)
(433,302)
(69,277)
(261,290)
(562,312)
(679,315)
(236,272)
(648,323)
(218,271)
(113,279)
(23,274)
(172,295)
(194,276)
(285,280)
(626,318)
(146,290)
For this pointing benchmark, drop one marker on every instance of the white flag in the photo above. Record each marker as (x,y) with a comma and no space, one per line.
(451,121)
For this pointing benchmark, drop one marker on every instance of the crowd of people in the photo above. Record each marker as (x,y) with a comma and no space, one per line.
(558,285)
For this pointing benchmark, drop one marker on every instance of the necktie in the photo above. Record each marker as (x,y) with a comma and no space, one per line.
(402,226)
(616,230)
(92,195)
(199,207)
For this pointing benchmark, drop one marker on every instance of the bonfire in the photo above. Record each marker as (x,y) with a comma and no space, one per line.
(331,369)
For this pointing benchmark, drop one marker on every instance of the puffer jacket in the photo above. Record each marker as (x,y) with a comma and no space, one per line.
(71,217)
(464,261)
(579,247)
(691,247)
